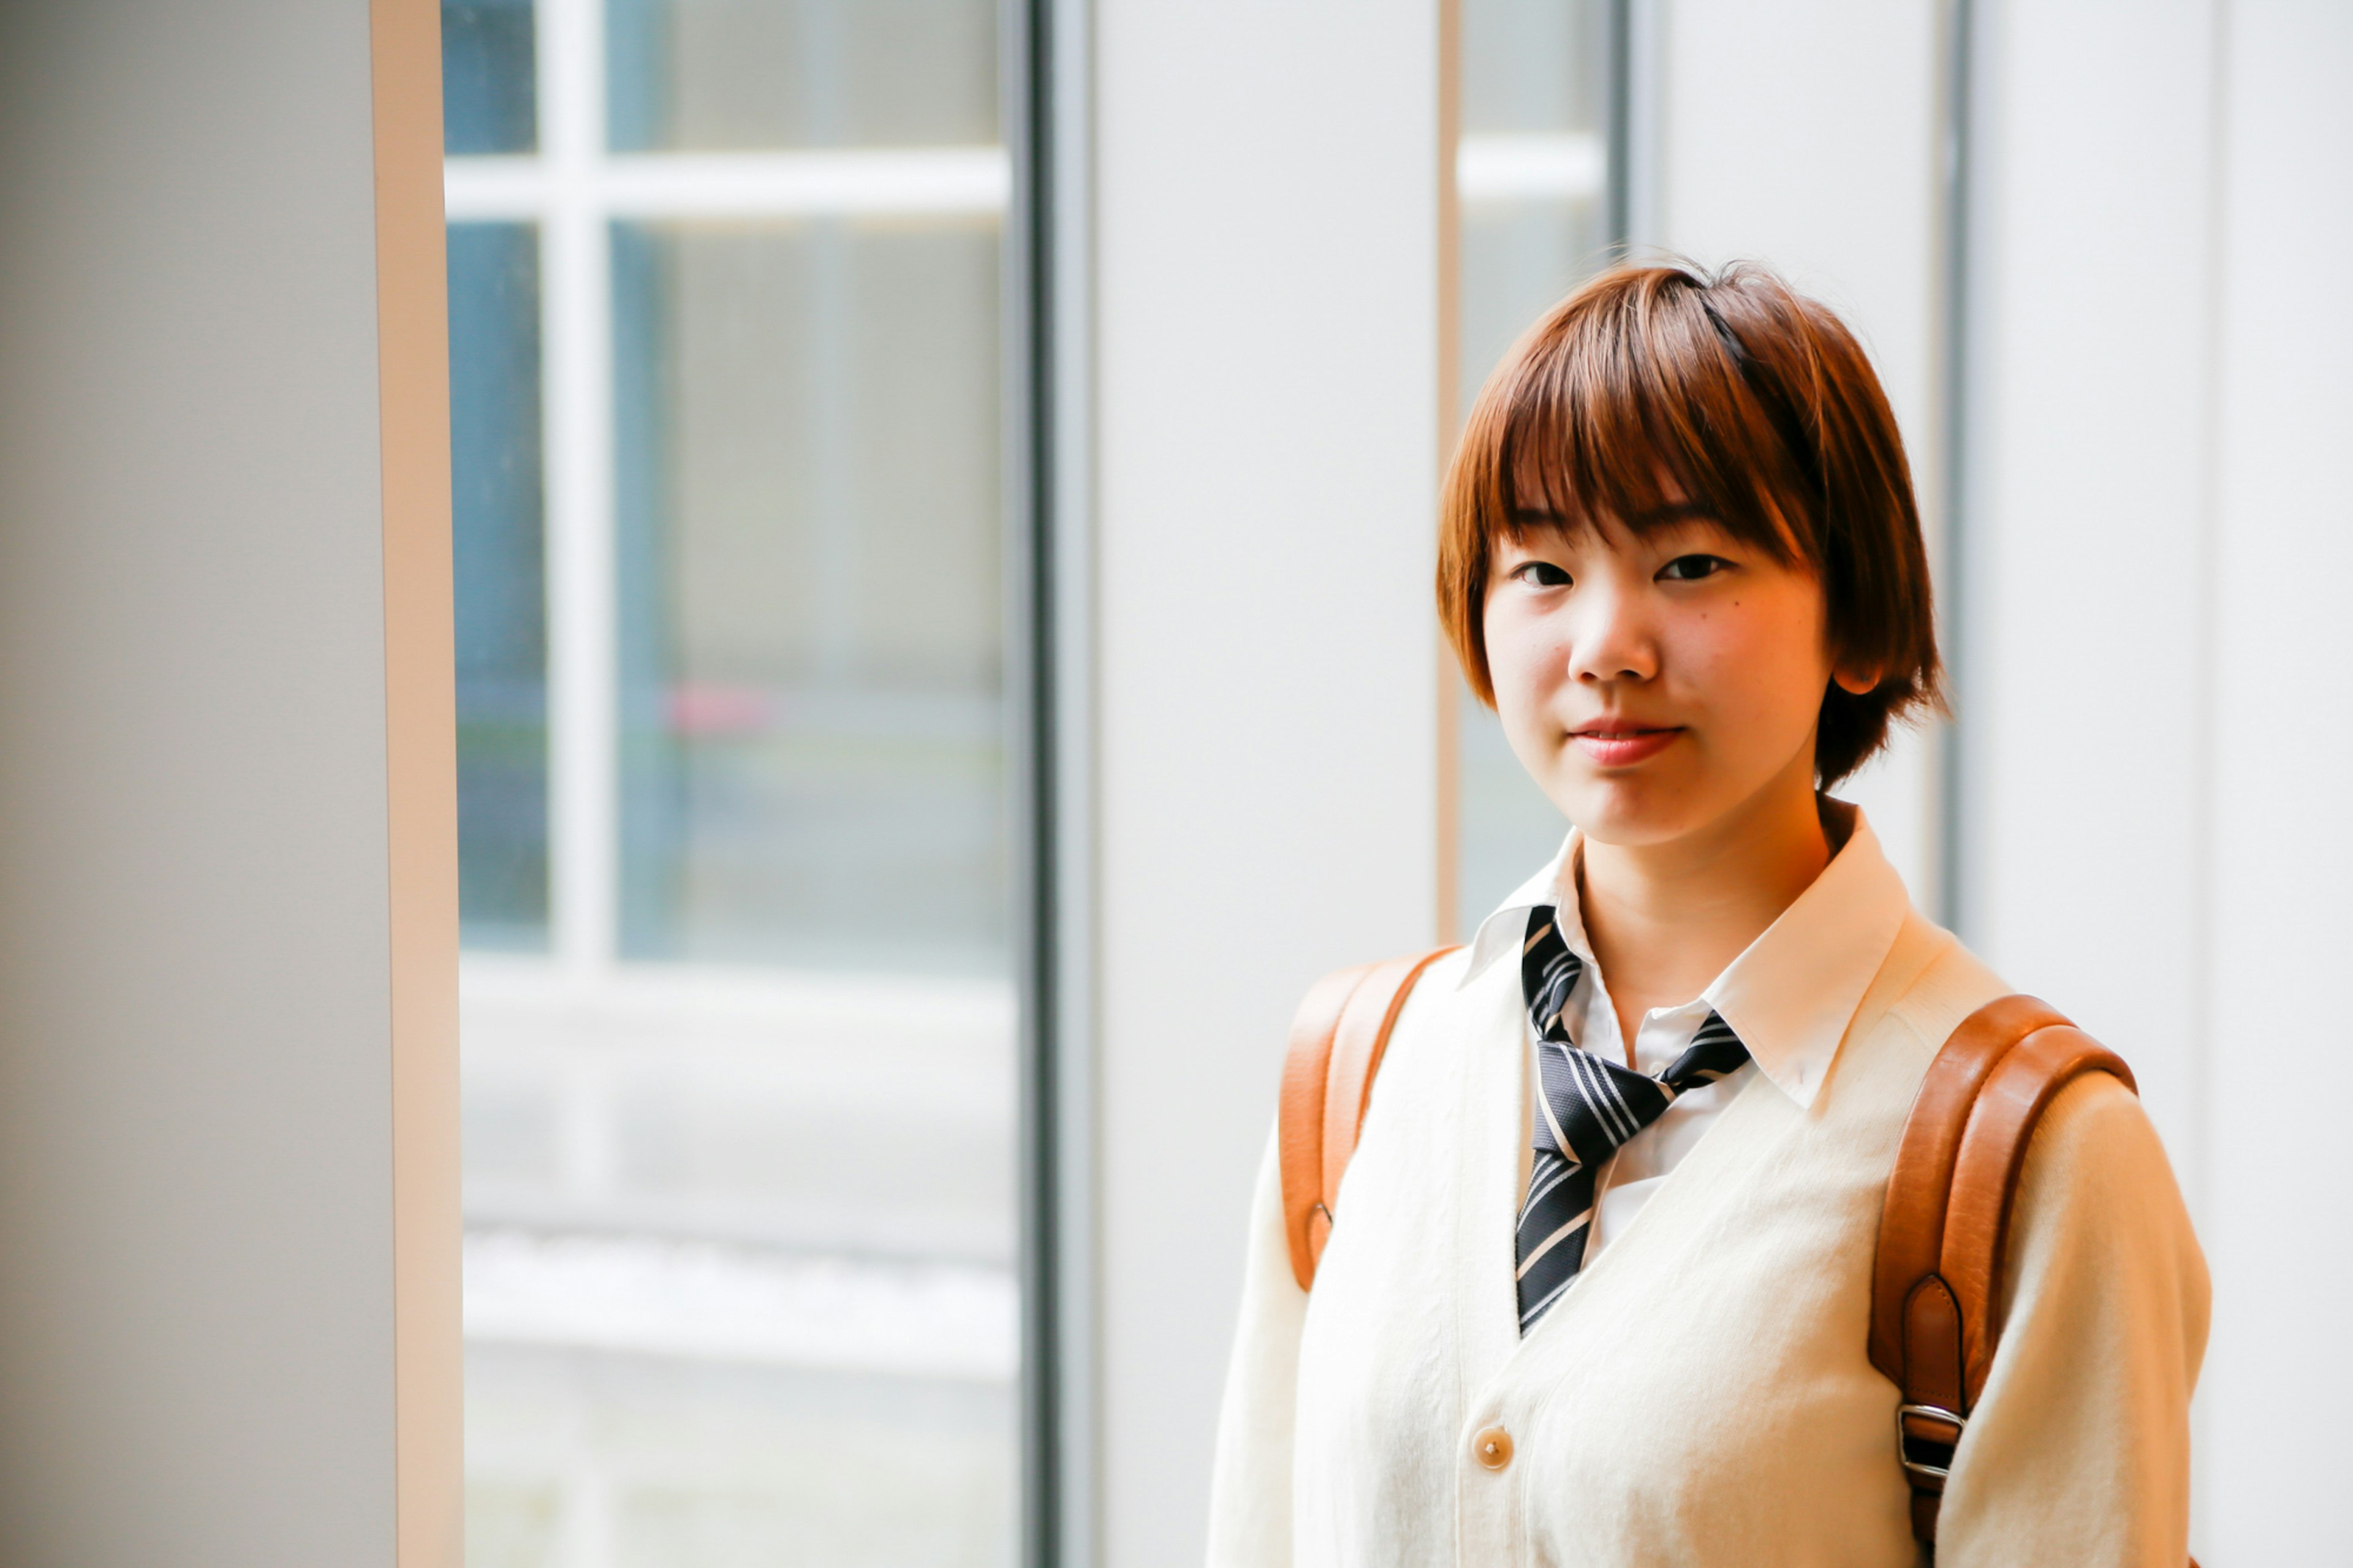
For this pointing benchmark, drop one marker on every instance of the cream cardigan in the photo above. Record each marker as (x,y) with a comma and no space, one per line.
(1702,1396)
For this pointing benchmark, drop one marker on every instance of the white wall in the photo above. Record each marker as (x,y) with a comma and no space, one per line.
(2154,739)
(1805,135)
(1266,184)
(2088,639)
(2278,850)
(2154,751)
(198,906)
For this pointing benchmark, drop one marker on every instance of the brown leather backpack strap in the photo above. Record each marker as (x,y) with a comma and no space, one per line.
(1985,1180)
(1936,1280)
(1357,1047)
(1911,1223)
(1300,1121)
(1917,1338)
(1338,1040)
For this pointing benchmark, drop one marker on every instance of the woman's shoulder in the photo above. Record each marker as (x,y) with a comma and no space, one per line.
(1926,985)
(1931,981)
(1450,1010)
(2093,1136)
(1437,993)
(2100,1219)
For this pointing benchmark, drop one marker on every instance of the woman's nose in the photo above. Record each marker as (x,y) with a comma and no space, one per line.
(1611,640)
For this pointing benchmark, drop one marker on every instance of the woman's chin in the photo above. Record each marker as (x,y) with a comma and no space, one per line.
(1630,813)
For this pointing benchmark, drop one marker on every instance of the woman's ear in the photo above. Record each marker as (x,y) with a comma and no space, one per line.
(1855,683)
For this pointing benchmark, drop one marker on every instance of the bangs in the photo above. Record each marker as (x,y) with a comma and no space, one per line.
(1635,411)
(1654,394)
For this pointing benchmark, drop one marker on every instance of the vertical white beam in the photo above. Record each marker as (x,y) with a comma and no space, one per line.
(221,1002)
(2278,1205)
(1267,208)
(576,308)
(2089,652)
(1447,680)
(1805,135)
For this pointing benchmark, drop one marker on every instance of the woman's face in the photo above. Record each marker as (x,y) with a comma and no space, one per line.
(1655,685)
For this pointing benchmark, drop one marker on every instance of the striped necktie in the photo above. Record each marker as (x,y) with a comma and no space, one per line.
(1589,1109)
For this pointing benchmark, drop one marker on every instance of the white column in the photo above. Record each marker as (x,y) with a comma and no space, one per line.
(2154,809)
(1267,257)
(2088,644)
(2278,747)
(227,858)
(2086,680)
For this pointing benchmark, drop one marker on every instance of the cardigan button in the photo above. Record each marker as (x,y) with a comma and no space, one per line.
(1493,1447)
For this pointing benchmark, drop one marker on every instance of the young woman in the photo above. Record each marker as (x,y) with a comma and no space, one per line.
(1681,555)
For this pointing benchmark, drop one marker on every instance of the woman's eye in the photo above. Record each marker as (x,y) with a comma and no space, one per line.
(1691,568)
(1541,574)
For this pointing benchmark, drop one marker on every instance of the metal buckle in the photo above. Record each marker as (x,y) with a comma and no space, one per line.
(1934,1412)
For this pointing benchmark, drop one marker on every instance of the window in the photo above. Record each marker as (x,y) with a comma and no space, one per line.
(1532,174)
(737,1004)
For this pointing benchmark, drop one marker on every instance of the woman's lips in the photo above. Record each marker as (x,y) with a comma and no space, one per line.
(1622,747)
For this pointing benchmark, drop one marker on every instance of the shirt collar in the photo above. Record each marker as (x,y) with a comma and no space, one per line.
(1790,994)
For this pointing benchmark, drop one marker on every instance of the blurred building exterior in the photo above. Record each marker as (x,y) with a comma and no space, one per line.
(736,1011)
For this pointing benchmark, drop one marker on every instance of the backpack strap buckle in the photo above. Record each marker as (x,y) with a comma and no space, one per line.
(1926,1435)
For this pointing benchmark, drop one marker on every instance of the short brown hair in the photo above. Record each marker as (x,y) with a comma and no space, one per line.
(1754,402)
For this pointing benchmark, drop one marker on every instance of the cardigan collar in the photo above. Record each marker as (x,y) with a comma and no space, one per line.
(1791,993)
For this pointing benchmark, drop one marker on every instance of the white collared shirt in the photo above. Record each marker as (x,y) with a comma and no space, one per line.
(1703,1394)
(1833,933)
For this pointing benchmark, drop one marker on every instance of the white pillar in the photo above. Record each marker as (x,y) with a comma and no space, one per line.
(228,929)
(2088,639)
(2153,810)
(1268,243)
(2278,853)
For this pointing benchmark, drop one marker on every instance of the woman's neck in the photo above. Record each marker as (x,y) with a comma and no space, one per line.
(1665,919)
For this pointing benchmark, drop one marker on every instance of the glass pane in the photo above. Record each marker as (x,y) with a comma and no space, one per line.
(811,641)
(1532,66)
(501,602)
(739,1181)
(1519,258)
(490,98)
(738,1282)
(717,75)
(724,1467)
(1533,78)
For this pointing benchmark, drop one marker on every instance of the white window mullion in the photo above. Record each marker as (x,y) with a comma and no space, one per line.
(496,188)
(1563,166)
(912,182)
(576,302)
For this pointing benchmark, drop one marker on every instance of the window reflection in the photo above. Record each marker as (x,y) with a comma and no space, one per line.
(502,599)
(1534,66)
(489,90)
(1532,175)
(810,639)
(743,75)
(737,1024)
